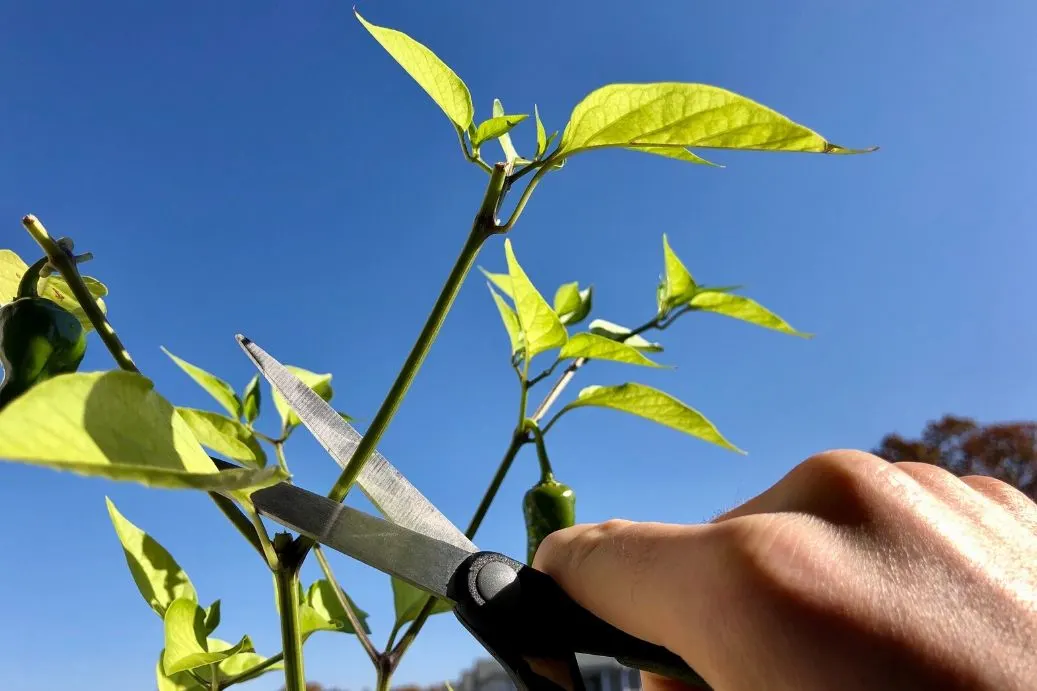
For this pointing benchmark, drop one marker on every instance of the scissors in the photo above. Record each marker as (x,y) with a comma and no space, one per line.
(520,615)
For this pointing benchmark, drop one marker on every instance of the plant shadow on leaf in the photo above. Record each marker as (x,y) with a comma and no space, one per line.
(124,443)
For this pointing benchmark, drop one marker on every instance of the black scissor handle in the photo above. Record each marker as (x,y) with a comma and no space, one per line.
(525,620)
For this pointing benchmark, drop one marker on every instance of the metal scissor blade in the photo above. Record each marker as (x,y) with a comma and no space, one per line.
(422,561)
(383,484)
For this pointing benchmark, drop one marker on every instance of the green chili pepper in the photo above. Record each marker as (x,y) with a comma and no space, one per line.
(39,339)
(549,505)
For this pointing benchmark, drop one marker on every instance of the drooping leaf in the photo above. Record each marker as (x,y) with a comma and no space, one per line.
(408,601)
(687,116)
(506,145)
(224,436)
(571,304)
(12,268)
(740,307)
(217,388)
(432,74)
(654,405)
(211,620)
(251,400)
(158,576)
(510,319)
(678,285)
(114,425)
(322,599)
(186,643)
(595,347)
(320,383)
(541,134)
(675,152)
(541,328)
(181,681)
(622,333)
(501,281)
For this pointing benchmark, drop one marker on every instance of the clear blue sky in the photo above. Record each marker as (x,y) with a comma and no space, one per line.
(266,168)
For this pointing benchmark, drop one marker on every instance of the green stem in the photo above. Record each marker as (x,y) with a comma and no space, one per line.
(473,158)
(286,582)
(67,268)
(354,620)
(541,172)
(250,529)
(27,287)
(214,677)
(199,679)
(538,437)
(279,452)
(484,225)
(384,675)
(252,672)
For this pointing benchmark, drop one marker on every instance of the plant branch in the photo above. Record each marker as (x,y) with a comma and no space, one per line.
(252,672)
(472,157)
(197,677)
(354,620)
(538,438)
(250,529)
(286,584)
(521,205)
(545,374)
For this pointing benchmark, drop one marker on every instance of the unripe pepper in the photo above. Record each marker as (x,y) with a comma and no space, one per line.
(549,505)
(39,339)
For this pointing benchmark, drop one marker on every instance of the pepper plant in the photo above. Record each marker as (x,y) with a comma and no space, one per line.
(115,425)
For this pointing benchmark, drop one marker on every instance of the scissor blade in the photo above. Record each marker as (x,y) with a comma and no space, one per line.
(422,561)
(383,484)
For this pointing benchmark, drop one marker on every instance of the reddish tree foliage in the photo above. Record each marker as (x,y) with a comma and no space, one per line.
(1007,450)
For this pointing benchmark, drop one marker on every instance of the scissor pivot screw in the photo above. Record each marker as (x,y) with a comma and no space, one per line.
(493,577)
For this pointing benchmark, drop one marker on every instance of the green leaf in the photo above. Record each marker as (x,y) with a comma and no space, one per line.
(236,664)
(181,681)
(541,134)
(345,416)
(678,285)
(541,328)
(82,423)
(432,74)
(496,127)
(654,405)
(251,400)
(54,288)
(595,347)
(622,333)
(224,436)
(510,319)
(510,155)
(684,115)
(320,383)
(321,598)
(217,388)
(674,152)
(571,304)
(158,576)
(743,308)
(212,617)
(408,601)
(502,281)
(186,643)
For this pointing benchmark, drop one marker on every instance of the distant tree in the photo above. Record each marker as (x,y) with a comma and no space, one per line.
(1006,450)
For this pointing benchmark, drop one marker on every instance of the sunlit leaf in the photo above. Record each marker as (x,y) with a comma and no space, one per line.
(217,388)
(622,333)
(408,601)
(510,320)
(501,281)
(678,285)
(181,681)
(541,134)
(158,576)
(227,437)
(211,620)
(571,304)
(510,154)
(541,328)
(320,383)
(322,599)
(496,127)
(684,115)
(186,644)
(432,74)
(595,347)
(743,308)
(655,405)
(114,425)
(12,268)
(674,152)
(251,400)
(239,663)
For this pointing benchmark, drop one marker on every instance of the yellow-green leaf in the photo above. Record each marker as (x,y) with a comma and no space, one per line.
(186,644)
(571,304)
(320,383)
(240,662)
(432,74)
(408,601)
(501,281)
(217,388)
(227,437)
(158,576)
(497,127)
(685,115)
(595,347)
(12,268)
(212,617)
(114,425)
(743,308)
(541,133)
(510,154)
(322,599)
(678,285)
(251,399)
(181,681)
(510,319)
(654,405)
(541,328)
(675,152)
(622,333)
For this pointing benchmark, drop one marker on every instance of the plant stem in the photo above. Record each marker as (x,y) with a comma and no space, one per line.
(538,438)
(354,620)
(27,286)
(384,675)
(214,677)
(252,672)
(67,268)
(279,452)
(484,225)
(477,160)
(251,529)
(286,582)
(541,172)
